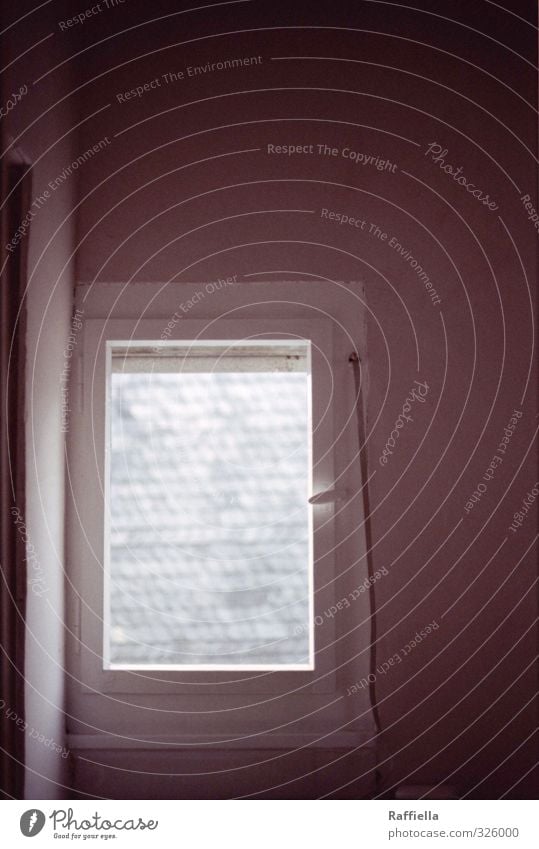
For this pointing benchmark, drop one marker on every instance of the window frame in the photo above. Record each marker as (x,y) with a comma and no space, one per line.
(89,471)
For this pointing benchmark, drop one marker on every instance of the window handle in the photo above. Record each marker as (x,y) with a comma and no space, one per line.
(330,496)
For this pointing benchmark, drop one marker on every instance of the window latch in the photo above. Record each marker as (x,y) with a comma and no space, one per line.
(330,496)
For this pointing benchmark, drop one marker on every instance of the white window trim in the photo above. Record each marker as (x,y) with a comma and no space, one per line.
(88,470)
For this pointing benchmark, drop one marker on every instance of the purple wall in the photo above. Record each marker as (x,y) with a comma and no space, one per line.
(458,704)
(184,188)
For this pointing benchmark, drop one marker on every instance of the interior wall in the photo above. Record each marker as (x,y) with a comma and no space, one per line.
(191,153)
(40,131)
(185,186)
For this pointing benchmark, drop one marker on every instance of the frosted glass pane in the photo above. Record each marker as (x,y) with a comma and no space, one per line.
(209,518)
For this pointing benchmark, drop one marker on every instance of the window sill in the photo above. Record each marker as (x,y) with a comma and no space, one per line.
(338,740)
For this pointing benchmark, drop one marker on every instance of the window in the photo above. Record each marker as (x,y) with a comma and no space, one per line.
(199,552)
(163,480)
(208,534)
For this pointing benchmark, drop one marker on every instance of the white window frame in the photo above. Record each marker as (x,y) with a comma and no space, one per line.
(88,481)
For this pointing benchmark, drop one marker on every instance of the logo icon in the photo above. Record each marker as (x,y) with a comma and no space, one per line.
(32,822)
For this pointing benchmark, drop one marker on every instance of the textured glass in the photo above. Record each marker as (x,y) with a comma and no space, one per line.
(209,521)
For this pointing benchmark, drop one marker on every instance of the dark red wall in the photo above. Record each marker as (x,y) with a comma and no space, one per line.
(186,190)
(387,82)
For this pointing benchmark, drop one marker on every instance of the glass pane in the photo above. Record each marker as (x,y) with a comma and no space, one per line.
(209,518)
